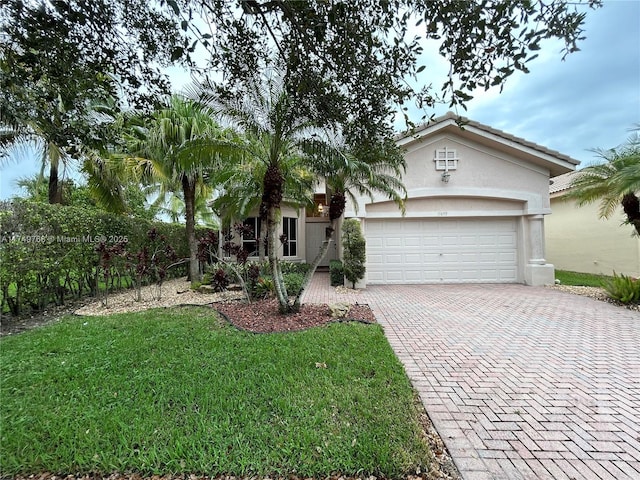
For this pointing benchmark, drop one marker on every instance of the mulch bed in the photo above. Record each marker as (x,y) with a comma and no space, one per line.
(260,317)
(264,317)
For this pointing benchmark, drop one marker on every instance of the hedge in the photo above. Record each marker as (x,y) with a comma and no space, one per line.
(336,273)
(48,252)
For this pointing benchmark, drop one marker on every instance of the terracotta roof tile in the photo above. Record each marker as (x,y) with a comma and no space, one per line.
(561,182)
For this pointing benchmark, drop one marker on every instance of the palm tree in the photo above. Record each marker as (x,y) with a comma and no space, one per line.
(55,125)
(36,137)
(614,182)
(350,172)
(265,115)
(285,141)
(171,204)
(181,145)
(243,186)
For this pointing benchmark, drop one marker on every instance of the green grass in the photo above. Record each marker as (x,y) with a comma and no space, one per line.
(170,391)
(581,279)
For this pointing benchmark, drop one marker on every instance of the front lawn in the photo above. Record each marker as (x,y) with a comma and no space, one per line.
(581,279)
(176,390)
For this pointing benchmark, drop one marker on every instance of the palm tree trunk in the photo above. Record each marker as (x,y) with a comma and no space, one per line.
(55,195)
(276,272)
(631,207)
(189,191)
(55,192)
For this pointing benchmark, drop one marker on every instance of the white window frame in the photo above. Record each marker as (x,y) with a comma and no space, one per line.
(256,232)
(287,223)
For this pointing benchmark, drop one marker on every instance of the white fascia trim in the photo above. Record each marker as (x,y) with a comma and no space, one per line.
(519,146)
(425,132)
(533,203)
(448,214)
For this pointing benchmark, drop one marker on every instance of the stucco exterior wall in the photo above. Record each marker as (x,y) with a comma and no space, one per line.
(478,167)
(577,240)
(486,183)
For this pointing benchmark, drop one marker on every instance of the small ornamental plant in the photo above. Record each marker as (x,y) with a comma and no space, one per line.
(354,251)
(623,288)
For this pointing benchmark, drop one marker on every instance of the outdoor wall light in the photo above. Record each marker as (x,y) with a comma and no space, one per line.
(445,176)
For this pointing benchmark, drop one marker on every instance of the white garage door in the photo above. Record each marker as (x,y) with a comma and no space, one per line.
(441,251)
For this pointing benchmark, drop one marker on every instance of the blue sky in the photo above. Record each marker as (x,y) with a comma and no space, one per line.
(590,100)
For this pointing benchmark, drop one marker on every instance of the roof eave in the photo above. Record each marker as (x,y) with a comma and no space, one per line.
(556,162)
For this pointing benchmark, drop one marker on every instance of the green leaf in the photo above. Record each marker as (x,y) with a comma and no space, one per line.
(174,5)
(177,53)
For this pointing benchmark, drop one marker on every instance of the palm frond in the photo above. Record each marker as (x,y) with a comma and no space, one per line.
(617,174)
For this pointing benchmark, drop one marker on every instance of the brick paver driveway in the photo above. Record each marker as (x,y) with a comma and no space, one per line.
(520,382)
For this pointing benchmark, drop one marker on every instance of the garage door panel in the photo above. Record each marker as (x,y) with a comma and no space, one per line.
(375,277)
(431,258)
(375,259)
(449,258)
(441,251)
(413,258)
(449,240)
(430,241)
(413,241)
(393,276)
(507,257)
(451,275)
(391,242)
(487,240)
(467,240)
(413,276)
(508,275)
(374,242)
(506,240)
(488,257)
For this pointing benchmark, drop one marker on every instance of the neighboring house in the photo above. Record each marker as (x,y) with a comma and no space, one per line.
(579,240)
(475,211)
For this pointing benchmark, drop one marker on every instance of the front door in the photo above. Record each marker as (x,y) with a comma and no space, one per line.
(315,234)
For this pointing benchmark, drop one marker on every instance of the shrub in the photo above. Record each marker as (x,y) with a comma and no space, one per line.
(220,280)
(623,288)
(294,267)
(49,252)
(354,251)
(264,287)
(293,283)
(336,273)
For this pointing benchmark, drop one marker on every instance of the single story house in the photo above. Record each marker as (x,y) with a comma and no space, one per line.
(477,200)
(578,240)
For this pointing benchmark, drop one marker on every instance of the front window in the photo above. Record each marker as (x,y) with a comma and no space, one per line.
(290,231)
(249,241)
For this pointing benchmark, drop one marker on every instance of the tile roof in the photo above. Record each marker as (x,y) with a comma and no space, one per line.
(561,182)
(463,121)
